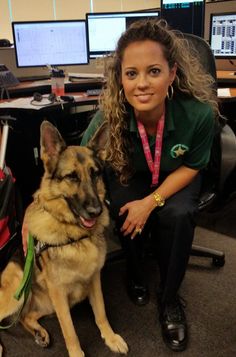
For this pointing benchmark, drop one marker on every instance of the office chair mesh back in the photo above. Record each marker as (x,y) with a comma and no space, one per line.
(222,161)
(205,55)
(211,175)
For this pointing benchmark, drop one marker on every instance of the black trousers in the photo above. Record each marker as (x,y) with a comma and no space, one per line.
(171,228)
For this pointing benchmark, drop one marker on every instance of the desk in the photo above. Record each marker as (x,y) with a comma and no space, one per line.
(233,92)
(11,106)
(226,78)
(27,88)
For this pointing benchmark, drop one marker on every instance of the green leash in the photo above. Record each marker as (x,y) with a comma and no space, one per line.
(25,285)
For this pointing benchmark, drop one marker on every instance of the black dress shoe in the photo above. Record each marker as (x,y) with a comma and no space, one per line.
(173,324)
(138,293)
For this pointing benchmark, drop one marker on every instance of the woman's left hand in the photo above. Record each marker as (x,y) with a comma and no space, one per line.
(138,213)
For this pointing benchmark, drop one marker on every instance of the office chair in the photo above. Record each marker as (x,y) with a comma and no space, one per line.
(223,155)
(222,162)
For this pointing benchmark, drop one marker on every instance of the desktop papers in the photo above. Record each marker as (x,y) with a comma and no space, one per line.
(223,92)
(26,103)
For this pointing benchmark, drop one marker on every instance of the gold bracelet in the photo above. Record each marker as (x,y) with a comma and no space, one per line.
(159,200)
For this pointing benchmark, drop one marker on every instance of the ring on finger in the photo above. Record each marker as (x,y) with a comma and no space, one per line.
(138,230)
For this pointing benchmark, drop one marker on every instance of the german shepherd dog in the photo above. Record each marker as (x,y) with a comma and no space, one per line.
(68,216)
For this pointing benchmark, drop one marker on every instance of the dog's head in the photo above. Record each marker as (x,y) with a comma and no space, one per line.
(72,187)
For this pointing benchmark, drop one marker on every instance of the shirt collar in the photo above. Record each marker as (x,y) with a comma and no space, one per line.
(169,120)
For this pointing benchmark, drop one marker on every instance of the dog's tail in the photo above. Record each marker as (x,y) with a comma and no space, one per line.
(10,280)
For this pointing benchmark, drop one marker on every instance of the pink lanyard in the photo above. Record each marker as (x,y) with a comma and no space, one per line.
(154,166)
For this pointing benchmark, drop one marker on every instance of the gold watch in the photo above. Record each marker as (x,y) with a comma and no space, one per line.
(159,200)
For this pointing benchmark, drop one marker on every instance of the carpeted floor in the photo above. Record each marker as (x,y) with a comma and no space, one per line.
(211,308)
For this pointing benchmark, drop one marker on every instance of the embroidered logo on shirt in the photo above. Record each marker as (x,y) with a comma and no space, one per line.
(178,150)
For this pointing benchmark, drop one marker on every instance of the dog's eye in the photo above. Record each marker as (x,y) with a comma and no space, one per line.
(72,176)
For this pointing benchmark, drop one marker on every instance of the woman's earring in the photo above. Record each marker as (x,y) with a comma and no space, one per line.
(170,92)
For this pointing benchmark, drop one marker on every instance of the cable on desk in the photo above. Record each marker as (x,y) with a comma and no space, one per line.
(38,98)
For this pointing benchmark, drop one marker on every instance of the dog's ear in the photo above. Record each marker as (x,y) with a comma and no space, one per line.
(99,140)
(51,144)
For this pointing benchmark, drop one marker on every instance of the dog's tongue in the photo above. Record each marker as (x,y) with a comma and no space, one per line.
(88,222)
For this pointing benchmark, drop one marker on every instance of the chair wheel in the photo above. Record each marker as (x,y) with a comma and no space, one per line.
(218,262)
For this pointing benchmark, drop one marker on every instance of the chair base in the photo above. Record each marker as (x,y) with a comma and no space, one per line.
(218,257)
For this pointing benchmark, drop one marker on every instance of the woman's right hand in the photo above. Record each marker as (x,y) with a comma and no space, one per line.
(137,214)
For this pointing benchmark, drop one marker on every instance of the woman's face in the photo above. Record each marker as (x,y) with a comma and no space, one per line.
(145,77)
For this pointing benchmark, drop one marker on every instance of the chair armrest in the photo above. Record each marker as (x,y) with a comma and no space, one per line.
(228,154)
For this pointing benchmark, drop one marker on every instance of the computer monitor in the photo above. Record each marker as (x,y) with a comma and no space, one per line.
(104,29)
(223,35)
(185,16)
(56,43)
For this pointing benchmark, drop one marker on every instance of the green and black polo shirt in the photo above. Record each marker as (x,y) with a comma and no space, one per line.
(187,137)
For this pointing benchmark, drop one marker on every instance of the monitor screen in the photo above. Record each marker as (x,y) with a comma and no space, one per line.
(104,29)
(223,35)
(185,16)
(41,43)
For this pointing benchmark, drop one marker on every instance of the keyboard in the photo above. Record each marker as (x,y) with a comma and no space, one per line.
(86,75)
(7,79)
(34,78)
(91,92)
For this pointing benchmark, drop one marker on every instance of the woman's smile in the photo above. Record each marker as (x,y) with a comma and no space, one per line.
(144,97)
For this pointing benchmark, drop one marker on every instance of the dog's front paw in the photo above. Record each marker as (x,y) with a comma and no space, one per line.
(42,338)
(0,350)
(76,353)
(117,344)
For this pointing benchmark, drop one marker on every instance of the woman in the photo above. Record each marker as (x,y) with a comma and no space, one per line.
(159,106)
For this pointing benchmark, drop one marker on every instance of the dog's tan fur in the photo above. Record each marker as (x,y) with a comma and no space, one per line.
(70,198)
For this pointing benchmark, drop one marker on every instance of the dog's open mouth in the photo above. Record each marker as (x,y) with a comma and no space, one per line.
(88,223)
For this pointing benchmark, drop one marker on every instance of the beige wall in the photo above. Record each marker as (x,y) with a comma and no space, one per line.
(25,10)
(72,10)
(124,5)
(139,4)
(107,5)
(5,25)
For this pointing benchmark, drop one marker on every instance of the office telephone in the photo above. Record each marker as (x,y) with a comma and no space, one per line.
(7,78)
(5,43)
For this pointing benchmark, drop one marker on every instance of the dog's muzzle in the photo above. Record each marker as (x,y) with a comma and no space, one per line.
(87,213)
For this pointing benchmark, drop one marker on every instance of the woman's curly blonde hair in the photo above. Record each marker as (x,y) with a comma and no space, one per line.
(191,80)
